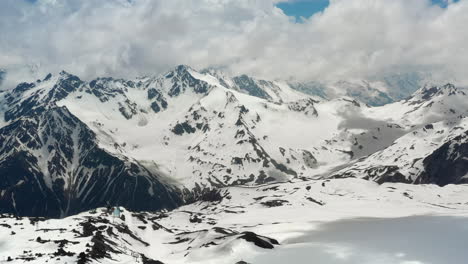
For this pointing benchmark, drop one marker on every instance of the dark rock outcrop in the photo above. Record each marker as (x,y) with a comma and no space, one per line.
(448,164)
(52,166)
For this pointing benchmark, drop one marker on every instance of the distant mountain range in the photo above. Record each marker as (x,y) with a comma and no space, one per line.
(375,91)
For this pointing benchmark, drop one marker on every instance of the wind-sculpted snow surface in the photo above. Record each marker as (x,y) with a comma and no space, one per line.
(68,145)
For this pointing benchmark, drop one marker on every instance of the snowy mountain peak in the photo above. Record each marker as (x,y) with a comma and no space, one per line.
(183,77)
(250,86)
(65,74)
(179,71)
(443,101)
(429,92)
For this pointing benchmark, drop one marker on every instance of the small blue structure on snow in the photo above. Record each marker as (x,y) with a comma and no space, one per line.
(116,212)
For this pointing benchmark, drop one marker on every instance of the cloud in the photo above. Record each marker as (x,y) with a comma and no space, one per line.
(349,39)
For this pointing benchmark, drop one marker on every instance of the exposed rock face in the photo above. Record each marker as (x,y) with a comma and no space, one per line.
(39,99)
(247,84)
(52,166)
(448,164)
(305,106)
(182,80)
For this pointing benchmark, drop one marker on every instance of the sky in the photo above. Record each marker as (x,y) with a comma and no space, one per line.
(338,40)
(307,8)
(303,8)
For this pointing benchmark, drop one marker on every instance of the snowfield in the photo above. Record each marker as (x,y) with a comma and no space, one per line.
(310,220)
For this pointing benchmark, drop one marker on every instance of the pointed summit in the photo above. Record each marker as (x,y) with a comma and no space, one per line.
(429,92)
(178,70)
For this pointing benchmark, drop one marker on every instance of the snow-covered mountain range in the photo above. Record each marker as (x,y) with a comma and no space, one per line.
(374,91)
(210,168)
(68,145)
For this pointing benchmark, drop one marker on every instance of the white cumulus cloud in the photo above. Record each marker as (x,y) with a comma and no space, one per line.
(349,39)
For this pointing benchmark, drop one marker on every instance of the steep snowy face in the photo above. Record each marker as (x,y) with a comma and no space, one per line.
(33,98)
(230,144)
(273,91)
(430,104)
(201,134)
(248,85)
(74,145)
(433,148)
(51,164)
(448,164)
(432,154)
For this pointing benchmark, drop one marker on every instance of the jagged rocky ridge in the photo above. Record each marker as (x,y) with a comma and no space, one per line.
(51,164)
(157,142)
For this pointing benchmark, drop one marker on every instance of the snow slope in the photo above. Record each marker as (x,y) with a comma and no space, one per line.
(435,118)
(234,224)
(187,138)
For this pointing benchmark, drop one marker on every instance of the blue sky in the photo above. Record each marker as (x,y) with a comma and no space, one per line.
(306,8)
(303,8)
